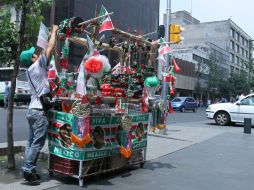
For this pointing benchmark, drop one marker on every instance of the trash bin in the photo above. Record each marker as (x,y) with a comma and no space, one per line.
(247,125)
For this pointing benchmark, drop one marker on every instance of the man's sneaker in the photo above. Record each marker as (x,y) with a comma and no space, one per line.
(37,175)
(31,178)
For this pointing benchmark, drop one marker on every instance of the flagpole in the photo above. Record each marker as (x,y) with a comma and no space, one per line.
(165,85)
(94,19)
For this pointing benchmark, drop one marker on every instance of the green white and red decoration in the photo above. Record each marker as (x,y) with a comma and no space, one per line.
(164,48)
(81,81)
(105,22)
(52,73)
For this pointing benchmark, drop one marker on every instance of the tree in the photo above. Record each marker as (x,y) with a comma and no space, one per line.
(214,79)
(27,35)
(238,83)
(8,41)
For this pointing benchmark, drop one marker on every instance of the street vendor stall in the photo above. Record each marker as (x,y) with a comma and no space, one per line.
(100,119)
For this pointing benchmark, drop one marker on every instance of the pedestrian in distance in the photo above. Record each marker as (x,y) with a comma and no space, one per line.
(36,116)
(209,102)
(6,94)
(201,103)
(241,96)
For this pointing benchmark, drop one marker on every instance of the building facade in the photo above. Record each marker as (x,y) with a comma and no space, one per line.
(224,34)
(181,17)
(141,17)
(222,42)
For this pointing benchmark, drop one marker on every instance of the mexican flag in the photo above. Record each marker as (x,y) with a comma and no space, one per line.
(164,48)
(106,23)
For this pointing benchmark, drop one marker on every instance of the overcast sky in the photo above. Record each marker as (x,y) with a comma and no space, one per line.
(241,12)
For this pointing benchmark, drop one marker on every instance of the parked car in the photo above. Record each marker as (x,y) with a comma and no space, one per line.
(22,91)
(226,113)
(184,103)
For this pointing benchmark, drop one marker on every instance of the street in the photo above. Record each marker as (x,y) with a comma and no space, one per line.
(198,155)
(20,125)
(20,128)
(188,119)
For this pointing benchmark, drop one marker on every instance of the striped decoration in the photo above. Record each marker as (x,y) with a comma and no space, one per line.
(109,126)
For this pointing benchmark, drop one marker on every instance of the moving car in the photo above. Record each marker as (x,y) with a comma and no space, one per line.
(226,113)
(184,103)
(22,91)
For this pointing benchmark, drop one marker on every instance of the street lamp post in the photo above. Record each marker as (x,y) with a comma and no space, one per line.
(165,85)
(250,65)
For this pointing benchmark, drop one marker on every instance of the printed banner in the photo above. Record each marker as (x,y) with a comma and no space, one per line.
(107,135)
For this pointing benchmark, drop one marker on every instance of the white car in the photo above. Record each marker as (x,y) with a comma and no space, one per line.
(226,113)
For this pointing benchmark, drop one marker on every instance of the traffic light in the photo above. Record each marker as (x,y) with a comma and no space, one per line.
(161,31)
(174,33)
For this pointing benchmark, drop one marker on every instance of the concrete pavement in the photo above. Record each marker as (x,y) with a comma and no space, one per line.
(177,138)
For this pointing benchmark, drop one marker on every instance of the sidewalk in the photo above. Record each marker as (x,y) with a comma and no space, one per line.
(176,139)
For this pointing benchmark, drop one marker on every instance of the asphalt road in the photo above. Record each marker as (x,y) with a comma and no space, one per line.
(223,162)
(20,127)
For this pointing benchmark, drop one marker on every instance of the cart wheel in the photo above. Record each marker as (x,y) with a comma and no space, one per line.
(50,173)
(81,182)
(142,164)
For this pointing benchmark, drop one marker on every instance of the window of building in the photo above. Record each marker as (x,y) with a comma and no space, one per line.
(232,69)
(232,32)
(242,40)
(237,48)
(246,43)
(237,36)
(246,54)
(237,60)
(242,52)
(232,45)
(232,57)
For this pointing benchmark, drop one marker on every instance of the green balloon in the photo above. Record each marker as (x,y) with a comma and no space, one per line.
(152,82)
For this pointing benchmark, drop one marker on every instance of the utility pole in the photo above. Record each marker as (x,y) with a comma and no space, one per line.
(165,69)
(250,65)
(165,85)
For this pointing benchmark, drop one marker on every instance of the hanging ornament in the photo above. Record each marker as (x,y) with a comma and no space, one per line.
(80,110)
(126,150)
(144,106)
(152,82)
(93,65)
(98,101)
(66,106)
(80,142)
(171,110)
(126,122)
(177,69)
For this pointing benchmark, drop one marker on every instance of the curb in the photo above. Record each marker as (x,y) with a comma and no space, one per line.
(21,149)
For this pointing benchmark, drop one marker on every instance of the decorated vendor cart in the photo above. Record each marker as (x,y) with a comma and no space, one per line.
(100,118)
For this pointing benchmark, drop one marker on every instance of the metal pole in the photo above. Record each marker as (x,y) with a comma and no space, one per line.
(165,85)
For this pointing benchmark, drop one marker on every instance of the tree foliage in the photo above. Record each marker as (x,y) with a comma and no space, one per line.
(219,86)
(8,41)
(9,30)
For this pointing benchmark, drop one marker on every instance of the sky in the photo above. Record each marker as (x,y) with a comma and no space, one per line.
(241,12)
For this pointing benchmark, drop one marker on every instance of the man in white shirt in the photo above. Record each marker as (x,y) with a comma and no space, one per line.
(37,119)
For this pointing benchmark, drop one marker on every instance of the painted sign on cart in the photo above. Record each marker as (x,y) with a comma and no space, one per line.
(104,135)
